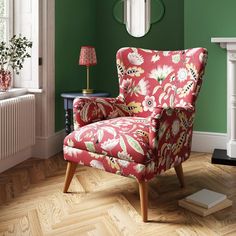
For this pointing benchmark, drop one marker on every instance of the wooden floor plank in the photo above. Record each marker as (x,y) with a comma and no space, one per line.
(99,203)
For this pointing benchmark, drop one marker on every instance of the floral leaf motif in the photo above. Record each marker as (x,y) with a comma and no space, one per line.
(183,120)
(120,67)
(175,127)
(84,112)
(97,164)
(109,144)
(70,143)
(122,144)
(113,163)
(156,89)
(172,100)
(110,130)
(102,108)
(134,71)
(135,58)
(135,107)
(162,129)
(104,102)
(122,109)
(180,142)
(155,58)
(134,144)
(80,133)
(143,87)
(186,89)
(161,96)
(100,135)
(193,71)
(90,146)
(139,168)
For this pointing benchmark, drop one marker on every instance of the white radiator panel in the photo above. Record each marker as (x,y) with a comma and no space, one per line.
(17,124)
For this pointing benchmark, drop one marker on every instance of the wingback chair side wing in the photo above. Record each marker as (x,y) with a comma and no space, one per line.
(151,78)
(147,129)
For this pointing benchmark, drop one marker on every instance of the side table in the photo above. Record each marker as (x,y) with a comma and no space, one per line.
(68,105)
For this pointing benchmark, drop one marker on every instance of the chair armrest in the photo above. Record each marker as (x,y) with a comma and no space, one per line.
(91,109)
(172,127)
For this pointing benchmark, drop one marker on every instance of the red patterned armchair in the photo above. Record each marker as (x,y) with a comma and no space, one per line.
(147,129)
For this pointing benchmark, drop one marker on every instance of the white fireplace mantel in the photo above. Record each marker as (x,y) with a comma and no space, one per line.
(230,45)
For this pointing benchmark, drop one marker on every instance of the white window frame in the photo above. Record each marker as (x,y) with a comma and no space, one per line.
(29,76)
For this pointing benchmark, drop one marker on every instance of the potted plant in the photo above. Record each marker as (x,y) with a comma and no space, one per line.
(12,57)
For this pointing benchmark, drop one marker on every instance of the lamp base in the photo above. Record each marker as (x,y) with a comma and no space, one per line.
(87,91)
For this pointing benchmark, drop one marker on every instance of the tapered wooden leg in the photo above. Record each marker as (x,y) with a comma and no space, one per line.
(71,167)
(180,174)
(143,193)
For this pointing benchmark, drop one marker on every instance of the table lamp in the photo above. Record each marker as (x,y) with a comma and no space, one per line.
(87,58)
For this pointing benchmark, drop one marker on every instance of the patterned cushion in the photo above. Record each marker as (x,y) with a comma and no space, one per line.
(126,138)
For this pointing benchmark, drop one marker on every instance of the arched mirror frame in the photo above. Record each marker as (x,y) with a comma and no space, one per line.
(125,12)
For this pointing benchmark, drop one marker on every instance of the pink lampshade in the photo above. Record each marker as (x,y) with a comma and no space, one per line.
(87,56)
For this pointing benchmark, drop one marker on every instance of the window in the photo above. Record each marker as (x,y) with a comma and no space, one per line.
(22,17)
(6,19)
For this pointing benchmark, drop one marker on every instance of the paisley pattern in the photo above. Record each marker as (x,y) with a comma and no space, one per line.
(147,129)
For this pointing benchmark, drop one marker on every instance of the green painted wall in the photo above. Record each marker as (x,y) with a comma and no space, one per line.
(203,20)
(86,22)
(75,26)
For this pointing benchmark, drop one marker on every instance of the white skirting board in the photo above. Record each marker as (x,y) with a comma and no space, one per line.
(46,147)
(208,141)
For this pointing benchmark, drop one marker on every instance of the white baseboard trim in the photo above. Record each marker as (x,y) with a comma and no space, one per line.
(46,147)
(15,159)
(208,141)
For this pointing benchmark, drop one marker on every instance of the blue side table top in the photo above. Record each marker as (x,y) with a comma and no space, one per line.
(73,95)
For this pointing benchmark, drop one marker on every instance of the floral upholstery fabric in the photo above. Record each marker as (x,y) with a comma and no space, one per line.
(150,78)
(147,129)
(125,138)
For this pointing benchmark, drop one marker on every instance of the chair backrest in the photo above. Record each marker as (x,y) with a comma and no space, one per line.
(150,78)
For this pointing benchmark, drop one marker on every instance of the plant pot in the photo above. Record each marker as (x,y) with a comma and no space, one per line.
(5,80)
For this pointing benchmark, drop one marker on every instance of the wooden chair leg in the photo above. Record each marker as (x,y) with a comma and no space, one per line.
(143,193)
(71,167)
(180,174)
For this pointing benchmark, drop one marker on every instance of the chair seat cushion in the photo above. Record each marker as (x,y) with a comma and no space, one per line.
(125,138)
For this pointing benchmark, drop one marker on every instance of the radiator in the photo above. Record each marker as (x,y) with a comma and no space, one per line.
(17,124)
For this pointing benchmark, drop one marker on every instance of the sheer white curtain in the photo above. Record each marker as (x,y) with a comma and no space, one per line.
(6,19)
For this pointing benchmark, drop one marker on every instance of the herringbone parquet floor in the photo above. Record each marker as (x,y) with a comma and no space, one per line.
(99,203)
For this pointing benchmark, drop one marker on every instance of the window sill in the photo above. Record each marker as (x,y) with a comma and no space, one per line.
(14,92)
